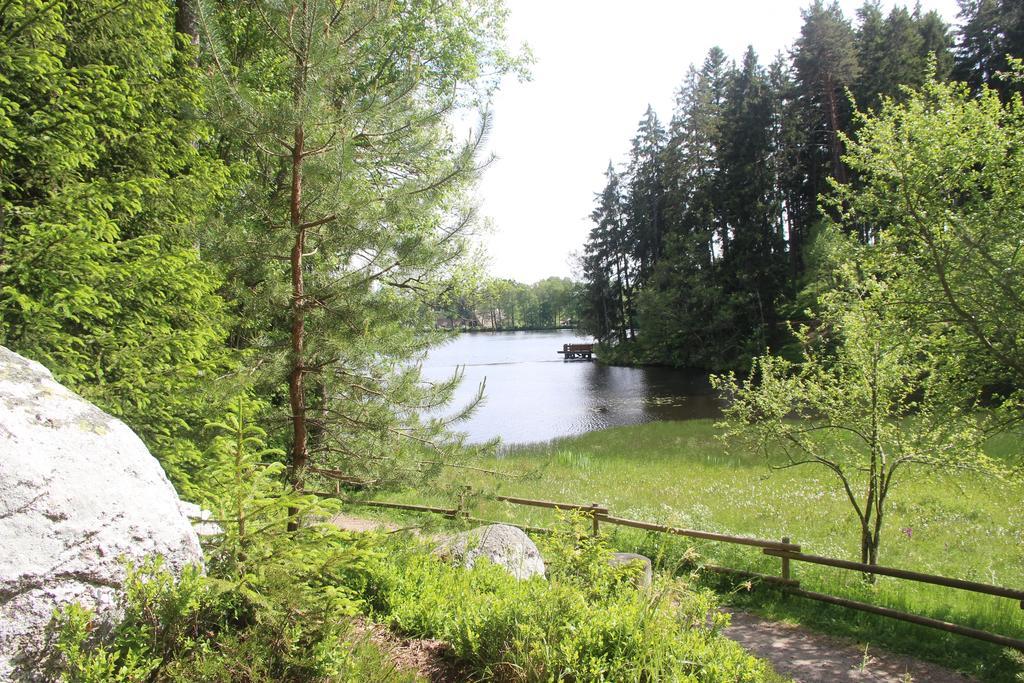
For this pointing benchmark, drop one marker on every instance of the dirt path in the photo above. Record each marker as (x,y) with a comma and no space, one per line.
(810,657)
(360,524)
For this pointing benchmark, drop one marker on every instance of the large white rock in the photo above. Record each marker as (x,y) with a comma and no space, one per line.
(78,491)
(504,545)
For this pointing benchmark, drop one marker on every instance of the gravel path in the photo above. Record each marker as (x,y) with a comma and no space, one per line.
(810,657)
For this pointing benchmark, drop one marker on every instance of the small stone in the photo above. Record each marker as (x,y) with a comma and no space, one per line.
(646,576)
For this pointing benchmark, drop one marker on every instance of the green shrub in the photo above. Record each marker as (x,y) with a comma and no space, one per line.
(586,622)
(195,629)
(277,603)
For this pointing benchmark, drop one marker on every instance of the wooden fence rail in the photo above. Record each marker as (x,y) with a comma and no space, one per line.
(975,633)
(593,508)
(706,535)
(784,550)
(918,577)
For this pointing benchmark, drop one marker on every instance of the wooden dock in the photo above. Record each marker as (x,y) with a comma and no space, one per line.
(577,351)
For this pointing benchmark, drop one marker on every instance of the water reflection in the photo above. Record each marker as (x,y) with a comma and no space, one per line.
(532,395)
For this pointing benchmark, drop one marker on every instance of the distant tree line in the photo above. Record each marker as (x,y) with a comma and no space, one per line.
(502,304)
(701,249)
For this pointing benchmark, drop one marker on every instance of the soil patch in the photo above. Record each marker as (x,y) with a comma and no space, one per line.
(431,659)
(361,525)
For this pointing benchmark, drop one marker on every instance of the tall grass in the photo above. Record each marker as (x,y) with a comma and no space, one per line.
(960,525)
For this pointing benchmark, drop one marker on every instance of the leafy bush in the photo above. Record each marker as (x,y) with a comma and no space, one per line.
(186,629)
(276,603)
(586,622)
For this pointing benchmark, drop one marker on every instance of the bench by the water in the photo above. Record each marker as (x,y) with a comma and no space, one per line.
(577,351)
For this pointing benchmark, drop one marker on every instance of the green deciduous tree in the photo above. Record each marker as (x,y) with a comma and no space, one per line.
(864,402)
(920,329)
(940,181)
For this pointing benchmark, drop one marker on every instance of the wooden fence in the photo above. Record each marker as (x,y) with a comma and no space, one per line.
(783,549)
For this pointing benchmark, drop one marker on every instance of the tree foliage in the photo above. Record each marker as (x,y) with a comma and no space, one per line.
(863,402)
(701,241)
(503,304)
(992,32)
(941,186)
(919,330)
(351,214)
(102,184)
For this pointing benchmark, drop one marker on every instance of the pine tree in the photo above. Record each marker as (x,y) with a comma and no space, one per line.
(609,285)
(754,255)
(646,195)
(895,51)
(825,60)
(871,47)
(677,307)
(936,40)
(991,31)
(979,54)
(692,158)
(799,208)
(352,217)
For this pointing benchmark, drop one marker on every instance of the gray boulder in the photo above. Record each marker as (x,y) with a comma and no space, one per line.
(78,492)
(646,576)
(504,545)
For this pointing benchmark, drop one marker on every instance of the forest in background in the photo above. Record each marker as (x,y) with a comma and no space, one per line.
(503,304)
(704,246)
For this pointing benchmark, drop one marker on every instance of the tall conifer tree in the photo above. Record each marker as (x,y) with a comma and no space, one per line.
(990,30)
(645,203)
(352,214)
(754,255)
(825,60)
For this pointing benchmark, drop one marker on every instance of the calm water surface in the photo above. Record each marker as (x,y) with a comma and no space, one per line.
(533,395)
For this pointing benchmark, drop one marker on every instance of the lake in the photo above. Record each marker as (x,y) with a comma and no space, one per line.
(533,395)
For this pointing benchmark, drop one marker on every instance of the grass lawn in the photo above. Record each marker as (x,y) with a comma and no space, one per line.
(678,473)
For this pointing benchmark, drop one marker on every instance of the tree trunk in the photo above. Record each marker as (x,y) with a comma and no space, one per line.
(838,168)
(296,388)
(868,549)
(185,20)
(629,302)
(622,300)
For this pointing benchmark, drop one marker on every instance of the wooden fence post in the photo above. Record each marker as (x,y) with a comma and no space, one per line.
(785,561)
(593,518)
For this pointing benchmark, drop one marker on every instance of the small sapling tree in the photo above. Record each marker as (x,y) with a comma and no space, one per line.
(862,403)
(352,216)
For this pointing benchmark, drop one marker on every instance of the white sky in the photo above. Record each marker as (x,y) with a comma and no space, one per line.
(598,64)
